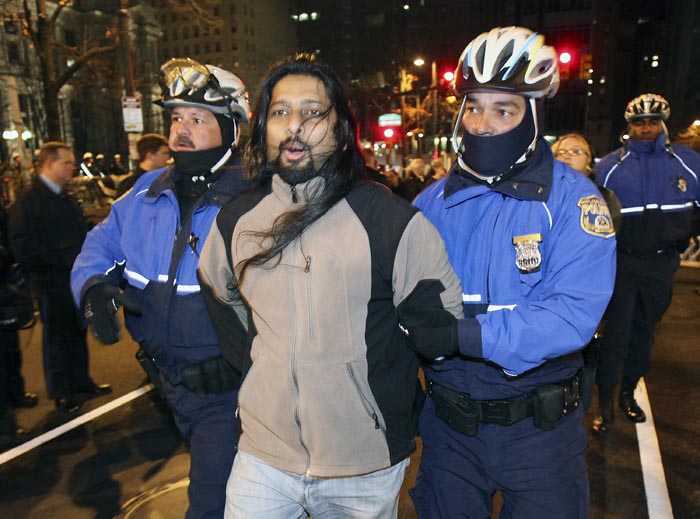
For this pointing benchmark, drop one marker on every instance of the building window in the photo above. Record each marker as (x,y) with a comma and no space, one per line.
(195,31)
(185,33)
(217,46)
(196,49)
(207,47)
(234,28)
(70,38)
(10,27)
(174,34)
(13,53)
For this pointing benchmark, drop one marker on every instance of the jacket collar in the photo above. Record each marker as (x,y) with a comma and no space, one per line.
(658,145)
(531,181)
(300,193)
(233,180)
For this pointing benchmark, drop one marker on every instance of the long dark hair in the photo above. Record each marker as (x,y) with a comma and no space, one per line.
(340,170)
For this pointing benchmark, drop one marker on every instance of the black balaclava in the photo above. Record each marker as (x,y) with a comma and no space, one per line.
(495,155)
(197,165)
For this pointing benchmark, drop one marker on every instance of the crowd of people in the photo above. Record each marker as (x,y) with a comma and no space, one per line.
(285,300)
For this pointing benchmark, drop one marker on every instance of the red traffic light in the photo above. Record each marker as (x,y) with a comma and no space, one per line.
(565,57)
(388,133)
(448,76)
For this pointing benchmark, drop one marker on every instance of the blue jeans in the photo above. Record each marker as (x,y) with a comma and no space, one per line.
(256,489)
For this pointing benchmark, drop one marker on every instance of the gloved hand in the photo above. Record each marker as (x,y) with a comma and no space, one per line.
(430,329)
(100,305)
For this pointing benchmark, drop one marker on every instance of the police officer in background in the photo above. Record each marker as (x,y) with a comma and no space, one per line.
(657,184)
(525,234)
(134,249)
(47,229)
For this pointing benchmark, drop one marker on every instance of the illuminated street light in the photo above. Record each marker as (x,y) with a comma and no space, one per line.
(696,122)
(10,135)
(419,62)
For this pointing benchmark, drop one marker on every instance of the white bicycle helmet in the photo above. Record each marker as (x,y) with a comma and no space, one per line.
(187,82)
(512,59)
(647,105)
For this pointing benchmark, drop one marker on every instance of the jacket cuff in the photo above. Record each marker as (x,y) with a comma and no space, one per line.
(469,337)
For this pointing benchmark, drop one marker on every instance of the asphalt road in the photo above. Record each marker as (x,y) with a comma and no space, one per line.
(130,463)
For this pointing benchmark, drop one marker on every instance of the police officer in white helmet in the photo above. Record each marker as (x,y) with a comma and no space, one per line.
(525,234)
(132,260)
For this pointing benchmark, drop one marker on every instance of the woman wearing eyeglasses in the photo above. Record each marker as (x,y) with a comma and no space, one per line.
(574,150)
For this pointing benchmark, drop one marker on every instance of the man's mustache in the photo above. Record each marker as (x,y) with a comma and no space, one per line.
(183,140)
(293,144)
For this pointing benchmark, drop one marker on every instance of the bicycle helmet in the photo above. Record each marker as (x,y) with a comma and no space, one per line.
(512,59)
(647,105)
(187,82)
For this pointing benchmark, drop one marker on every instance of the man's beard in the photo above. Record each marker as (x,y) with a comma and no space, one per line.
(294,174)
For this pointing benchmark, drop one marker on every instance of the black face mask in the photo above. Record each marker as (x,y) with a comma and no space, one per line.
(199,163)
(495,154)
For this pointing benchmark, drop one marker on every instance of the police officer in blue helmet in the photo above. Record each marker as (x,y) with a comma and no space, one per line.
(525,234)
(132,260)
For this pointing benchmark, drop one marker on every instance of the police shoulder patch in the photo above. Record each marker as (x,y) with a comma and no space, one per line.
(595,216)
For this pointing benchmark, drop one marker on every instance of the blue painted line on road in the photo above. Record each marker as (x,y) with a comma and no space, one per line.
(76,422)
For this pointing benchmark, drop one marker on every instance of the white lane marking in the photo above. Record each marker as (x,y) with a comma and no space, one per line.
(76,422)
(655,486)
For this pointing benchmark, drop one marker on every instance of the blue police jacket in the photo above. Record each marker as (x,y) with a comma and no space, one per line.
(536,257)
(657,185)
(137,246)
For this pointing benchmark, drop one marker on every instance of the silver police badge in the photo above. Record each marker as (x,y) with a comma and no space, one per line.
(527,252)
(682,184)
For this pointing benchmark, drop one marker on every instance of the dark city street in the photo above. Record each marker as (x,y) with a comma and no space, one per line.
(130,462)
(293,203)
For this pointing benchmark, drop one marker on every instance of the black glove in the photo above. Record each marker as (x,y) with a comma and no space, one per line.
(430,329)
(100,305)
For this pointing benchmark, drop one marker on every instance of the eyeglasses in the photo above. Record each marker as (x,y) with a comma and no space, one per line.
(573,152)
(180,74)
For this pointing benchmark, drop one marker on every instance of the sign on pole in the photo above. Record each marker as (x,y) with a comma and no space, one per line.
(133,117)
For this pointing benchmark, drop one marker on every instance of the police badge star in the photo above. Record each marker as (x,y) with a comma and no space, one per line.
(682,183)
(527,252)
(595,216)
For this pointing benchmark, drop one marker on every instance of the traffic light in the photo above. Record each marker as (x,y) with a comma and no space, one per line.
(388,134)
(567,59)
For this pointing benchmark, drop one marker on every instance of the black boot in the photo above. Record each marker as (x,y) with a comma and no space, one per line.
(605,416)
(629,405)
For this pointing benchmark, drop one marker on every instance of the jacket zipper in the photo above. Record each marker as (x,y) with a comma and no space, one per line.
(295,382)
(365,403)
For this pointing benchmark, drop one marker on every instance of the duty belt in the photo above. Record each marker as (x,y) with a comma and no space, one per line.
(546,404)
